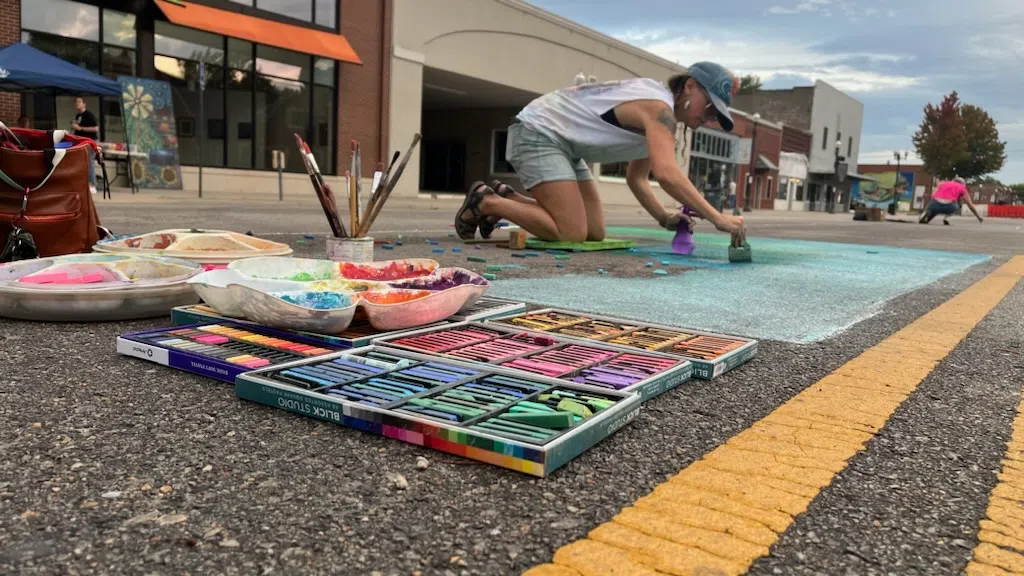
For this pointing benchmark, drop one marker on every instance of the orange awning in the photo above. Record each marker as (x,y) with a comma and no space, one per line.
(287,36)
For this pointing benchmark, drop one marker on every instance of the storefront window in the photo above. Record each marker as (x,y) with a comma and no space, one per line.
(326,13)
(239,119)
(282,110)
(62,18)
(118,29)
(71,31)
(300,9)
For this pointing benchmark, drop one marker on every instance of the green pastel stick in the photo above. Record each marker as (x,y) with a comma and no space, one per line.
(535,406)
(502,420)
(555,421)
(445,407)
(507,434)
(575,407)
(507,427)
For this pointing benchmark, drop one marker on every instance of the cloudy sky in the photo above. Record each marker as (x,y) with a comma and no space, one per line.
(895,56)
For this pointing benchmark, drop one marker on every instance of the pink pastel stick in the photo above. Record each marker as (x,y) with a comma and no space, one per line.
(54,278)
(212,339)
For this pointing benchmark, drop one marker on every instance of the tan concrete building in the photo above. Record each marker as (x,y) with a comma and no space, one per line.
(461,69)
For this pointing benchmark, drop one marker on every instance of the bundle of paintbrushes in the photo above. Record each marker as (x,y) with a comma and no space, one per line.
(384,181)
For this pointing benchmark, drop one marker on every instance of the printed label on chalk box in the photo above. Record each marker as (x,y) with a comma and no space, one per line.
(138,350)
(182,362)
(298,404)
(621,421)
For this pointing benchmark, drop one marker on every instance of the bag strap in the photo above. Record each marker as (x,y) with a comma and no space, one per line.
(4,128)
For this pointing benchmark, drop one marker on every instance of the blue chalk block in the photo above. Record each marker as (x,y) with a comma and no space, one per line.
(665,262)
(602,271)
(559,265)
(532,254)
(649,264)
(387,246)
(456,250)
(438,250)
(399,243)
(310,236)
(661,272)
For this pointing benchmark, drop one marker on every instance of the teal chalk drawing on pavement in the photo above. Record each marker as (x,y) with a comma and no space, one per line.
(794,291)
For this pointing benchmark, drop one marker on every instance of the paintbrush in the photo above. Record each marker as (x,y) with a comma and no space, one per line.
(353,207)
(379,184)
(359,180)
(390,186)
(323,192)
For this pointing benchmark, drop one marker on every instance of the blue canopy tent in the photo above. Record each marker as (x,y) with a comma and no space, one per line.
(27,69)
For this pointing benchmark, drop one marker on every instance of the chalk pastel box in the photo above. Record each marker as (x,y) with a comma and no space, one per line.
(711,354)
(593,364)
(222,350)
(358,334)
(487,307)
(526,423)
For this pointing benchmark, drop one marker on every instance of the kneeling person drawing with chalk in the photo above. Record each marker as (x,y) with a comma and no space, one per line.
(551,141)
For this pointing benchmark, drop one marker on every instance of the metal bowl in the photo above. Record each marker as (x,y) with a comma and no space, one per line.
(94,305)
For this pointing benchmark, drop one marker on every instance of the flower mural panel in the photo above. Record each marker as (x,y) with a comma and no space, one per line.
(148,113)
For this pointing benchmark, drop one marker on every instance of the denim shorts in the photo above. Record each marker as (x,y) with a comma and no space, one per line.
(537,157)
(940,208)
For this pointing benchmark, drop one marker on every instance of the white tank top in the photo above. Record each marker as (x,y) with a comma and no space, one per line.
(573,115)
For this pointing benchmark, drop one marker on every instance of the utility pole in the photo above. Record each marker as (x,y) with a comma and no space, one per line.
(831,201)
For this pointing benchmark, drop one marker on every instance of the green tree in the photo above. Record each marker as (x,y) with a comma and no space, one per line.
(985,153)
(750,84)
(1018,189)
(957,139)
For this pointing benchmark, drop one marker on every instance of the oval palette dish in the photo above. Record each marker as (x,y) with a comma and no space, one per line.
(203,246)
(213,287)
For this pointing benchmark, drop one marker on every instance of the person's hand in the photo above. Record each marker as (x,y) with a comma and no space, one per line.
(671,222)
(75,126)
(732,224)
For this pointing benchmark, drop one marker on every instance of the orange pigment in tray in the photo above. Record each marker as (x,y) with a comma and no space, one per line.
(394,297)
(393,271)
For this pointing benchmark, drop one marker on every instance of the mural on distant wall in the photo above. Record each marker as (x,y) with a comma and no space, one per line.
(148,112)
(880,194)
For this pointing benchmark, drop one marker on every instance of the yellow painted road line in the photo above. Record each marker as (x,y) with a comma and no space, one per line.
(1001,535)
(724,511)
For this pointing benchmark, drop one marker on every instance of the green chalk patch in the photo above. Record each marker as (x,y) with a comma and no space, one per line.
(476,259)
(490,276)
(590,246)
(562,257)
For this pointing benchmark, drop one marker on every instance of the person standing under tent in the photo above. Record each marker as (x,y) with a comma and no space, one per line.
(85,125)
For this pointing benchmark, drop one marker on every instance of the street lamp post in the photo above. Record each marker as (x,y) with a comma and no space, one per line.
(753,164)
(832,198)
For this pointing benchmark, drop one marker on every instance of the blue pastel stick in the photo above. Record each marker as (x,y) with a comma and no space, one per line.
(371,393)
(308,378)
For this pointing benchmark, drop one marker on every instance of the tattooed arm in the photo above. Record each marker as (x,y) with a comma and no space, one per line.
(658,123)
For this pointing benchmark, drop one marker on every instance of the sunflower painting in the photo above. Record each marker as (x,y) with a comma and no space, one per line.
(148,111)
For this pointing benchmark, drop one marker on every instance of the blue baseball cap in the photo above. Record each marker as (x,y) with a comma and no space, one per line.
(721,85)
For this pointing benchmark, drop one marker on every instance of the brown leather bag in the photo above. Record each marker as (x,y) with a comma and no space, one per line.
(45,190)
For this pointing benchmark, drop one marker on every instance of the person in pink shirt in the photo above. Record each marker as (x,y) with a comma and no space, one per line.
(946,201)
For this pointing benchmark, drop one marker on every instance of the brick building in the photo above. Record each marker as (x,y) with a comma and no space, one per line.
(834,120)
(762,163)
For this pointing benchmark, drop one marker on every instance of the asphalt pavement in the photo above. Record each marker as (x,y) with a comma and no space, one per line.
(117,466)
